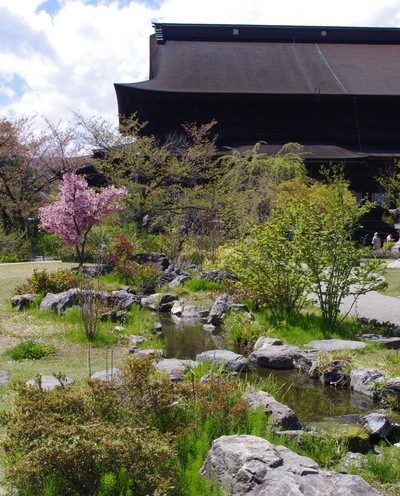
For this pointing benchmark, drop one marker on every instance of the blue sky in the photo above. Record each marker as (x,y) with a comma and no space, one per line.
(63,56)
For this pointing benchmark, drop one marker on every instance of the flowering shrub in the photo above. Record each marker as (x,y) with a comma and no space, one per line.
(77,209)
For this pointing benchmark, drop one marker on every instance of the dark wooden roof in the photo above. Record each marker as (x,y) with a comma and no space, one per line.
(291,60)
(327,85)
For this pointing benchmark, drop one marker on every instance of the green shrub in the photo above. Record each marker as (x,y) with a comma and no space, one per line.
(30,350)
(43,282)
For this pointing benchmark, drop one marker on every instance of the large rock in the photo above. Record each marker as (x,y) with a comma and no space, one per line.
(160,302)
(274,357)
(219,309)
(378,425)
(280,415)
(59,302)
(20,302)
(367,381)
(232,361)
(252,466)
(175,368)
(391,391)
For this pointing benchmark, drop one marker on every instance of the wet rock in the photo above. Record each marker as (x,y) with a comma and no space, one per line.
(264,342)
(391,391)
(232,361)
(274,357)
(304,360)
(367,381)
(280,415)
(219,309)
(252,466)
(378,425)
(161,302)
(335,374)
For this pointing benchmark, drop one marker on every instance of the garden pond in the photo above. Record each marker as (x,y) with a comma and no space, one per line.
(308,398)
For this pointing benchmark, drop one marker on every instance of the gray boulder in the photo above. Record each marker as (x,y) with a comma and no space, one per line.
(107,375)
(391,390)
(59,302)
(160,302)
(280,415)
(124,299)
(274,357)
(219,309)
(50,382)
(378,425)
(232,361)
(175,368)
(335,344)
(252,466)
(367,381)
(23,301)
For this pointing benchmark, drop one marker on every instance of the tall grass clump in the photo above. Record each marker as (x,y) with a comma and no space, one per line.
(199,284)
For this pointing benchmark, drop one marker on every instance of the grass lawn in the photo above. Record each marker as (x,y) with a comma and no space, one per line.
(393,279)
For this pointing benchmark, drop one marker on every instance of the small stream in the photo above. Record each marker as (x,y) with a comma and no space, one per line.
(308,398)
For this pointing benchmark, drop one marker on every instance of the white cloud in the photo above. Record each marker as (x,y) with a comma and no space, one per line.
(67,57)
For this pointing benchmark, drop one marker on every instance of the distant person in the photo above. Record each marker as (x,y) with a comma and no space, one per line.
(376,242)
(366,240)
(390,238)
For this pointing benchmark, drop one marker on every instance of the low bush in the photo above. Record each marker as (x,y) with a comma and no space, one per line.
(30,350)
(43,282)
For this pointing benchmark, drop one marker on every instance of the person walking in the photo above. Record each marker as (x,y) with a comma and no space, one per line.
(376,242)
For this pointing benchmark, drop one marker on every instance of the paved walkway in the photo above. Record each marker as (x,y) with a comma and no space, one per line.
(374,305)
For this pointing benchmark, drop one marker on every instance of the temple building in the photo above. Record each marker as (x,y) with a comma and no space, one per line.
(334,90)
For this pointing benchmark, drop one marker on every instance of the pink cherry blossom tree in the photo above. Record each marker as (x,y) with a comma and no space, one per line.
(77,209)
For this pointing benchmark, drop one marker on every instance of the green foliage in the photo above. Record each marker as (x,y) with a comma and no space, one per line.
(43,282)
(199,284)
(30,350)
(138,276)
(14,246)
(76,437)
(306,247)
(381,471)
(268,264)
(242,330)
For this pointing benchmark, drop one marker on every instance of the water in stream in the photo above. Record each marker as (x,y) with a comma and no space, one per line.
(311,401)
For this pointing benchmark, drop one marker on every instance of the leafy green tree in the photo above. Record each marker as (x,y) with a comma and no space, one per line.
(323,220)
(307,248)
